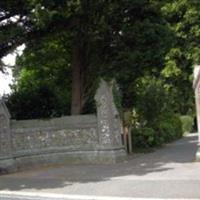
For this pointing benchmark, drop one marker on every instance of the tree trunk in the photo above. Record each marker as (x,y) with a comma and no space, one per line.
(77,65)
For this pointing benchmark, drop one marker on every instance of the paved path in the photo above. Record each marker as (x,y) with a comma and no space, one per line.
(169,172)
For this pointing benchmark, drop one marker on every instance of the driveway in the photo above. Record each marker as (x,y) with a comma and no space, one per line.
(168,172)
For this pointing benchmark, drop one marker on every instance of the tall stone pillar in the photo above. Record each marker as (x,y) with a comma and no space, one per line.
(109,122)
(6,159)
(196,86)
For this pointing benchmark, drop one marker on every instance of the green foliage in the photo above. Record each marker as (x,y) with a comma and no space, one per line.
(169,127)
(33,104)
(183,19)
(43,87)
(143,138)
(166,129)
(117,97)
(187,123)
(149,47)
(121,39)
(154,122)
(41,101)
(152,98)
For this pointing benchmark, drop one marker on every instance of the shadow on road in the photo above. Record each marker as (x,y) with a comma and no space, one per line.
(179,152)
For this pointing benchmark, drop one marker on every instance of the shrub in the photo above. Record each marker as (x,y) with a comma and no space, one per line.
(175,120)
(143,138)
(156,121)
(170,127)
(187,123)
(152,99)
(166,129)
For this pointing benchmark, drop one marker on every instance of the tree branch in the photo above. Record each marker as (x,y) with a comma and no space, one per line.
(17,40)
(7,16)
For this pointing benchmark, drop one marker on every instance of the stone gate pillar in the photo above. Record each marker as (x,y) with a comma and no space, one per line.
(109,122)
(6,160)
(196,86)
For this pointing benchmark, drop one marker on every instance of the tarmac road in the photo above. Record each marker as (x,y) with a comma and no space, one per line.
(43,196)
(169,172)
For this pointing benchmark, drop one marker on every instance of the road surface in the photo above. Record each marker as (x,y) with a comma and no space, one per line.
(168,172)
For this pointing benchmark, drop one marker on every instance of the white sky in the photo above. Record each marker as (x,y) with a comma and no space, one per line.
(6,78)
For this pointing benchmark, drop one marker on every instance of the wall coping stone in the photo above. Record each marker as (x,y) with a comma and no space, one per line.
(62,122)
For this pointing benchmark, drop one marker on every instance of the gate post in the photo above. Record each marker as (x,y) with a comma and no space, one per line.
(6,158)
(196,87)
(109,123)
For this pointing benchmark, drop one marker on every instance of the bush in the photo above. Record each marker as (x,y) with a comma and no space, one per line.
(187,123)
(41,102)
(155,122)
(175,120)
(143,138)
(166,129)
(170,128)
(151,98)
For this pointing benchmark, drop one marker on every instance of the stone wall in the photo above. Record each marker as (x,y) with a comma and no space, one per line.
(44,135)
(69,139)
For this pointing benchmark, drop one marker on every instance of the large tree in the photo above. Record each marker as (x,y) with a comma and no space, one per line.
(29,22)
(124,39)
